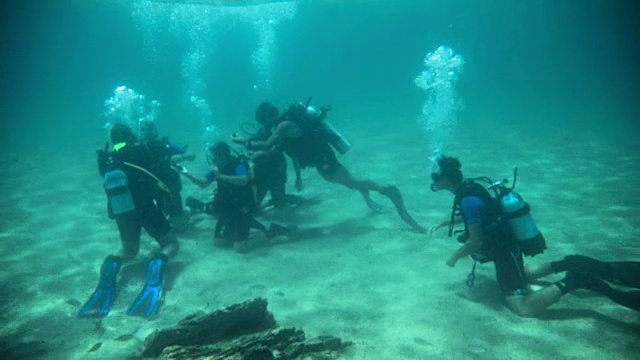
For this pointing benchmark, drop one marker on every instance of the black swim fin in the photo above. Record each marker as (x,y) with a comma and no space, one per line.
(624,273)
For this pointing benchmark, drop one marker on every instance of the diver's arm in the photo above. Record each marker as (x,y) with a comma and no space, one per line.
(235,180)
(473,243)
(296,168)
(456,220)
(260,154)
(177,159)
(280,132)
(201,182)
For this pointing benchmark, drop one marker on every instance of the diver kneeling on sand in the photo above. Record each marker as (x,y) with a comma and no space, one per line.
(500,229)
(234,201)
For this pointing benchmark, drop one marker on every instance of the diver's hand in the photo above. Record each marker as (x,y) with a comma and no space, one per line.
(216,172)
(299,185)
(452,261)
(434,228)
(181,169)
(176,160)
(238,139)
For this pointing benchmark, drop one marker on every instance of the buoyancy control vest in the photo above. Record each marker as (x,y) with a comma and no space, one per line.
(313,122)
(493,233)
(116,185)
(124,190)
(508,219)
(242,197)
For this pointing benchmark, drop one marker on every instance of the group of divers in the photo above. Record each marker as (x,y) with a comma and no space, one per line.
(142,180)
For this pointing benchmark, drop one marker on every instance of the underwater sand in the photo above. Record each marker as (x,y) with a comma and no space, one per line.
(364,277)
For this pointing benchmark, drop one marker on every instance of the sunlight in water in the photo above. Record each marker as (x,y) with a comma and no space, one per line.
(197,23)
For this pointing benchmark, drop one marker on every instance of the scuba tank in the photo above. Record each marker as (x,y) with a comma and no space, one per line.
(116,185)
(516,213)
(336,140)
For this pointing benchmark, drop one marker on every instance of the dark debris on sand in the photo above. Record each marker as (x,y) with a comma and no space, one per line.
(14,348)
(241,331)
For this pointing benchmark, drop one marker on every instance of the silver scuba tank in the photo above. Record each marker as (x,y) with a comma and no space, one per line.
(336,140)
(523,227)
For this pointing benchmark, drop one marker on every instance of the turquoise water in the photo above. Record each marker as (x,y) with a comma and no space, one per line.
(544,62)
(549,86)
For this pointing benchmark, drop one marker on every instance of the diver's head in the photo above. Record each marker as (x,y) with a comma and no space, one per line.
(446,173)
(122,133)
(219,153)
(267,114)
(148,130)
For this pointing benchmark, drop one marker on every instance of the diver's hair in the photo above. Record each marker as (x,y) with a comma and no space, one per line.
(450,168)
(220,148)
(266,112)
(148,130)
(122,133)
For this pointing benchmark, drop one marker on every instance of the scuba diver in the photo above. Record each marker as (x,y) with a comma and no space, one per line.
(131,190)
(270,166)
(304,135)
(166,156)
(234,202)
(497,231)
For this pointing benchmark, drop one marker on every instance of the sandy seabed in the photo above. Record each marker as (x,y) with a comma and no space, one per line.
(364,277)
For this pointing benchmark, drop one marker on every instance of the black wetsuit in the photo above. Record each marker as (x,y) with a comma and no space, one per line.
(161,151)
(234,205)
(270,172)
(144,191)
(312,148)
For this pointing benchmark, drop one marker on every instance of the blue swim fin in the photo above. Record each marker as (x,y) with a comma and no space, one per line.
(105,292)
(152,290)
